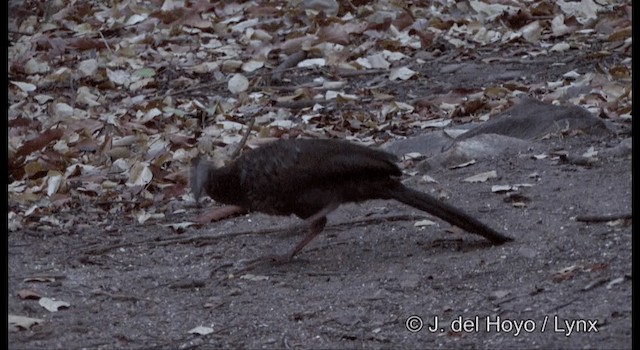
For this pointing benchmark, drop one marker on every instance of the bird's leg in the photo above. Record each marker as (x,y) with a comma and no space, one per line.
(280,259)
(314,229)
(315,223)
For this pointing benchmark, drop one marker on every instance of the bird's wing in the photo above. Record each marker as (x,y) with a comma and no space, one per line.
(347,158)
(301,162)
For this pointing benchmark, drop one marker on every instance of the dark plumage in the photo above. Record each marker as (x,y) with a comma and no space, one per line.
(310,178)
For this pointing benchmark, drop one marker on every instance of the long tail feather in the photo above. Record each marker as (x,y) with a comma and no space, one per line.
(448,213)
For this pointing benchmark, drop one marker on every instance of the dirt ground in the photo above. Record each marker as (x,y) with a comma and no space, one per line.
(358,284)
(370,280)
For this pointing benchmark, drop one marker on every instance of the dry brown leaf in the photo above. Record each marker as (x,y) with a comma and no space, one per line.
(620,35)
(39,142)
(28,294)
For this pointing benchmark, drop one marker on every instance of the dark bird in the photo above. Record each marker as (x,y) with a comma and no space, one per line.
(311,178)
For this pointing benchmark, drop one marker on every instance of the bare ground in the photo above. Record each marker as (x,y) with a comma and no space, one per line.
(561,284)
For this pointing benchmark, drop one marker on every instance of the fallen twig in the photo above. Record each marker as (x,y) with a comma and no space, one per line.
(290,62)
(243,141)
(204,239)
(603,218)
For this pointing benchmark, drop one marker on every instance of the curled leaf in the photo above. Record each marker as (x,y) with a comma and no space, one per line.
(53,305)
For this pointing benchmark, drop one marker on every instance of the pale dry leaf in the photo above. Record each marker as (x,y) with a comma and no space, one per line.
(482,177)
(413,155)
(41,98)
(312,62)
(135,19)
(35,67)
(334,33)
(403,106)
(252,65)
(179,226)
(584,10)
(615,91)
(14,221)
(198,23)
(485,36)
(54,181)
(347,97)
(423,223)
(333,85)
(144,73)
(17,187)
(139,84)
(172,5)
(402,73)
(53,305)
(127,140)
(25,87)
(377,61)
(23,321)
(615,281)
(62,110)
(364,62)
(88,67)
(499,294)
(427,179)
(148,115)
(454,132)
(143,216)
(531,32)
(329,7)
(393,56)
(489,12)
(517,186)
(615,223)
(242,26)
(201,330)
(436,123)
(139,175)
(238,83)
(404,38)
(231,139)
(501,188)
(258,34)
(255,278)
(572,75)
(118,77)
(285,124)
(86,98)
(462,165)
(230,125)
(560,47)
(205,67)
(591,152)
(558,28)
